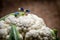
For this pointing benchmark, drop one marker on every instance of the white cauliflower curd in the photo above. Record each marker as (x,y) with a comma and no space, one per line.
(11,19)
(29,26)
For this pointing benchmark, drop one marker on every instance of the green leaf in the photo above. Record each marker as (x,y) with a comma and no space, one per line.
(54,33)
(14,34)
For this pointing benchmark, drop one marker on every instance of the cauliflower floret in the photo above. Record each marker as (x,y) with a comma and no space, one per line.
(45,31)
(11,19)
(3,24)
(19,28)
(38,22)
(36,18)
(45,38)
(36,26)
(7,37)
(26,21)
(21,37)
(3,33)
(33,33)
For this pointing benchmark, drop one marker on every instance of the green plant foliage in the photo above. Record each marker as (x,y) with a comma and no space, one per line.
(14,34)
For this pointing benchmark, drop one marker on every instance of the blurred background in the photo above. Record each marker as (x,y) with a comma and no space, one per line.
(49,10)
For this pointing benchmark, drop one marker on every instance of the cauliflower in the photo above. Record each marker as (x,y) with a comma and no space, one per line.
(29,26)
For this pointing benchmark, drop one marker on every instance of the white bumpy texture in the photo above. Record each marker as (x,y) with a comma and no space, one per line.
(34,24)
